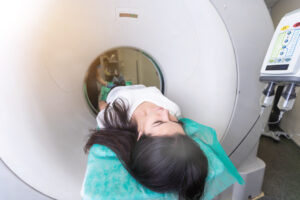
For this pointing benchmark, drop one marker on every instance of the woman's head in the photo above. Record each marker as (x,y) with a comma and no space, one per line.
(165,163)
(105,61)
(170,164)
(154,120)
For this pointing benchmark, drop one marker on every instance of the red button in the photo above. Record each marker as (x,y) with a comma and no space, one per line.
(297,24)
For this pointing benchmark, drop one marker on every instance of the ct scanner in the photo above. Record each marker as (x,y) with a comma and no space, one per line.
(209,53)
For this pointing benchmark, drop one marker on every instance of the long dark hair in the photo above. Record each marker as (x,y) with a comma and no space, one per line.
(161,163)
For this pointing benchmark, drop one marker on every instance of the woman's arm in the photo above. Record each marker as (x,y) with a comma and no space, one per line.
(99,77)
(102,105)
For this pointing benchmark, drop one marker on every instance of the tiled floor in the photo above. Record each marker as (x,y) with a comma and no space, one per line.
(282,175)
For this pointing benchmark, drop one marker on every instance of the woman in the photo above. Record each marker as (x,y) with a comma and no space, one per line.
(141,126)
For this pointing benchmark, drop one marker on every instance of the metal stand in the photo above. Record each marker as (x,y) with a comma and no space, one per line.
(273,127)
(275,135)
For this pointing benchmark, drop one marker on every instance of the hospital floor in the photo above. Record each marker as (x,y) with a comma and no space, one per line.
(282,174)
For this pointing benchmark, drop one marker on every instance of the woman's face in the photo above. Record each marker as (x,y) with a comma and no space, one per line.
(154,120)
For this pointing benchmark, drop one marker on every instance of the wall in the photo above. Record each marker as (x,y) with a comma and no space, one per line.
(136,67)
(290,122)
(270,3)
(128,64)
(282,7)
(146,69)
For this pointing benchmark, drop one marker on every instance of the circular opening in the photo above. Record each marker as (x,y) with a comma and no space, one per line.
(119,66)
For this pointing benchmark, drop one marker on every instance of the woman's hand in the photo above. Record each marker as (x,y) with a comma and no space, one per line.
(102,105)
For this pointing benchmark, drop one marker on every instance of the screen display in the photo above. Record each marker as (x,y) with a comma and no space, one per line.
(277,67)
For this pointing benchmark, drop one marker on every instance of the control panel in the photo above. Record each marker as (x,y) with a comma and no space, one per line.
(283,54)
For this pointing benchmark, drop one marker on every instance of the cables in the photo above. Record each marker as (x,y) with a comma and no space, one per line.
(245,136)
(279,118)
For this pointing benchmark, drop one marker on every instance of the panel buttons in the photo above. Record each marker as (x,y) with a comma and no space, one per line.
(284,28)
(287,59)
(281,53)
(283,46)
(289,32)
(285,41)
(296,25)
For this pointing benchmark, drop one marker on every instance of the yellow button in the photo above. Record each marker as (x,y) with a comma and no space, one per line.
(284,28)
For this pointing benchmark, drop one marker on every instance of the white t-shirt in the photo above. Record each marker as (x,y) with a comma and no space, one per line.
(134,95)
